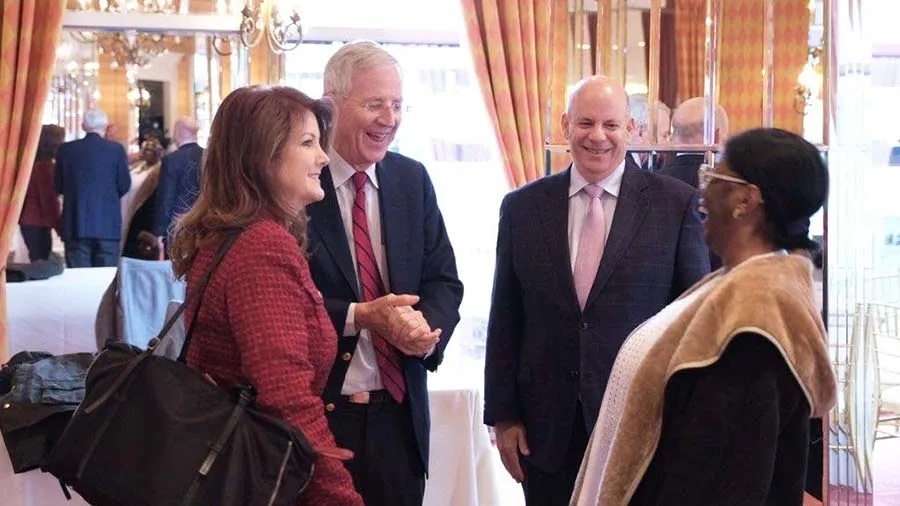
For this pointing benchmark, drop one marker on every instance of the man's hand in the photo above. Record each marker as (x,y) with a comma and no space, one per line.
(511,441)
(376,315)
(410,332)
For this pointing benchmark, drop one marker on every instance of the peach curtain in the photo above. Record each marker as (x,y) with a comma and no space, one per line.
(690,38)
(741,57)
(29,34)
(519,52)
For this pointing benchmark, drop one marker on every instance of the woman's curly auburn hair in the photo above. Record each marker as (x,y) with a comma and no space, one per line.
(246,142)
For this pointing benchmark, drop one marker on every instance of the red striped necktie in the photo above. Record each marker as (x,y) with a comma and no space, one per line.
(387,357)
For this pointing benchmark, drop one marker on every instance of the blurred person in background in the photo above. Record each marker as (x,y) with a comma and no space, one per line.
(92,175)
(41,211)
(179,180)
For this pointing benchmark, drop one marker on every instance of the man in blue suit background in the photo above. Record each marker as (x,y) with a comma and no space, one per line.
(379,232)
(92,176)
(179,179)
(583,257)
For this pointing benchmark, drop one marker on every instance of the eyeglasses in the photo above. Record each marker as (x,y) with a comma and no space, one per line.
(379,106)
(706,173)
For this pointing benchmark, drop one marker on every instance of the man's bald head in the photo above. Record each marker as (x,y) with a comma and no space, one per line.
(185,131)
(687,122)
(597,126)
(595,86)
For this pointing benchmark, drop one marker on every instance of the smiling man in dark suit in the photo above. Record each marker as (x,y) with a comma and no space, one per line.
(379,232)
(583,257)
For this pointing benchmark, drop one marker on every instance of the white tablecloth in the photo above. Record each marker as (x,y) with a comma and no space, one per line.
(58,315)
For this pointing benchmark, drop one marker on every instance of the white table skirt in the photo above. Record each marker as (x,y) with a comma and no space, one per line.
(57,316)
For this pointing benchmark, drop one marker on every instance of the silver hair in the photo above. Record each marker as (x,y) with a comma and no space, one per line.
(95,121)
(639,109)
(350,59)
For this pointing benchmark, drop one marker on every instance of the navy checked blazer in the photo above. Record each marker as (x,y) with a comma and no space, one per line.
(544,354)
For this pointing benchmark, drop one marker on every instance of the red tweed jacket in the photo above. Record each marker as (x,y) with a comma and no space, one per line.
(262,320)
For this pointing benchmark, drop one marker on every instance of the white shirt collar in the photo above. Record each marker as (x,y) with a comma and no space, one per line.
(611,184)
(341,171)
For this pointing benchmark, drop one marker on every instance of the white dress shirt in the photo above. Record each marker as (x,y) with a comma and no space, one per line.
(363,374)
(579,201)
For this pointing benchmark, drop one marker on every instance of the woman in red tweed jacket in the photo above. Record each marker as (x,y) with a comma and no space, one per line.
(262,319)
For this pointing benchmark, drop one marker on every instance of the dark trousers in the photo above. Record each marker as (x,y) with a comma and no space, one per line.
(92,253)
(386,467)
(39,241)
(544,488)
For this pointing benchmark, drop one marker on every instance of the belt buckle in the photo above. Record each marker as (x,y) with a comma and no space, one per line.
(360,398)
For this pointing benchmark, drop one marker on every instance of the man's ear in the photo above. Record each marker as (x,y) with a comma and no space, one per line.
(630,126)
(566,127)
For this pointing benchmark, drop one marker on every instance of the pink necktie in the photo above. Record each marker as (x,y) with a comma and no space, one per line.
(590,246)
(386,356)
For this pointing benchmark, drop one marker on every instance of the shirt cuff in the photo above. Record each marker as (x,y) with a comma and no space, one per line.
(350,323)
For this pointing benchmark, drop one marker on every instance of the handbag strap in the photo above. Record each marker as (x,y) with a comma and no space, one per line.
(164,333)
(157,341)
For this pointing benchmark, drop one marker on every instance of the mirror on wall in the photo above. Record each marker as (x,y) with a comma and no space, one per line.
(144,82)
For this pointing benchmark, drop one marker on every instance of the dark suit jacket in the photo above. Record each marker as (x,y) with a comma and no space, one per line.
(92,175)
(631,162)
(543,353)
(179,185)
(420,262)
(684,168)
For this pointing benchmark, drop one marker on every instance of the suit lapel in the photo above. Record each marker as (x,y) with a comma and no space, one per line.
(631,207)
(393,213)
(325,217)
(554,211)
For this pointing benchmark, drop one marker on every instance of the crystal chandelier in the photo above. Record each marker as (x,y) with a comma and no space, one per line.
(149,6)
(128,49)
(139,97)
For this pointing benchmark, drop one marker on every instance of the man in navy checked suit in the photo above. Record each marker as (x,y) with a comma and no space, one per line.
(548,360)
(92,176)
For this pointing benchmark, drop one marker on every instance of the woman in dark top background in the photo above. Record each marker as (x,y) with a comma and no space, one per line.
(709,401)
(40,211)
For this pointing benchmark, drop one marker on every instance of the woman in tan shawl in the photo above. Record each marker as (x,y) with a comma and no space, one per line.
(709,401)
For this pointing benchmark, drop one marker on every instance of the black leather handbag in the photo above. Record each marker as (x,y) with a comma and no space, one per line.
(152,432)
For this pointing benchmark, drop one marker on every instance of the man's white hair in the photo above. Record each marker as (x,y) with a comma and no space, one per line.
(350,59)
(639,109)
(95,121)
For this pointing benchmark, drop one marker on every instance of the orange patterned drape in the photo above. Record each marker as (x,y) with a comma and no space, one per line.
(741,59)
(29,34)
(690,37)
(515,49)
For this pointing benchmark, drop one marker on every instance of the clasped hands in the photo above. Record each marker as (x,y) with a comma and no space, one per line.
(393,318)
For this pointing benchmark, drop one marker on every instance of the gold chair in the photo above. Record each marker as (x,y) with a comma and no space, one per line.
(883,330)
